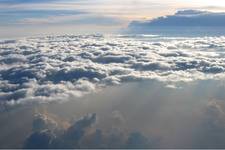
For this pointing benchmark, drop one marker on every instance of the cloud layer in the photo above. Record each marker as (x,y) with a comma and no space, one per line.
(58,68)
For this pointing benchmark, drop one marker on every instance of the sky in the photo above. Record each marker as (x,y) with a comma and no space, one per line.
(34,17)
(110,91)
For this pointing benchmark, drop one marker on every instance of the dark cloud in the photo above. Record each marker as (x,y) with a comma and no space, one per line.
(39,140)
(186,21)
(65,75)
(187,18)
(137,140)
(73,135)
(46,134)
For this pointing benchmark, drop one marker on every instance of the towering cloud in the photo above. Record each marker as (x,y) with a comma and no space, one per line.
(47,134)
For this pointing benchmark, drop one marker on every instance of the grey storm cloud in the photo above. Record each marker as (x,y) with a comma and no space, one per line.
(206,130)
(48,134)
(58,68)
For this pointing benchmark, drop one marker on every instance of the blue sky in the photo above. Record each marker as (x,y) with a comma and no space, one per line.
(34,17)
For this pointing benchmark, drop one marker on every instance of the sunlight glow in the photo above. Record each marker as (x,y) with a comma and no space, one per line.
(218,3)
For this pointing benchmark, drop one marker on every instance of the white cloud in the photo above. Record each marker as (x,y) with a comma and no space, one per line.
(58,68)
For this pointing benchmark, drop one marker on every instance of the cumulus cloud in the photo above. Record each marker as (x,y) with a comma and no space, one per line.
(56,68)
(47,133)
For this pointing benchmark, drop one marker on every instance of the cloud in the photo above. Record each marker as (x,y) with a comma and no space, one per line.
(137,140)
(184,20)
(59,68)
(211,131)
(121,120)
(48,134)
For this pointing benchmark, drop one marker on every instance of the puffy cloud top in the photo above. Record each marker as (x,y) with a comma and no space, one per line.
(63,67)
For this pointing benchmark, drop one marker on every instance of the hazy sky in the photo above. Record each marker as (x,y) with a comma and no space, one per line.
(31,17)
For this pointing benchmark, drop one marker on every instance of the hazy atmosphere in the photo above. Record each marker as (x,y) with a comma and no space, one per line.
(48,17)
(130,74)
